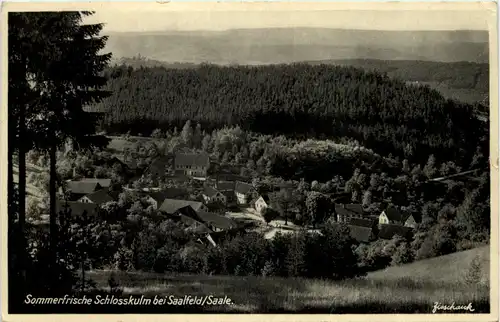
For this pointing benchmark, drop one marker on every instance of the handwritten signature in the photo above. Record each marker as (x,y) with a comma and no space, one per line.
(441,307)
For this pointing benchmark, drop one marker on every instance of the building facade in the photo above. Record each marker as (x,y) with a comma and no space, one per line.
(192,164)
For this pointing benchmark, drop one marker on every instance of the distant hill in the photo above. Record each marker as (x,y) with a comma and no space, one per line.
(285,45)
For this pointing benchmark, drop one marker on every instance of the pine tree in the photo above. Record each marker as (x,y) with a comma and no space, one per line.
(295,259)
(473,275)
(367,198)
(430,167)
(187,134)
(62,67)
(205,144)
(197,136)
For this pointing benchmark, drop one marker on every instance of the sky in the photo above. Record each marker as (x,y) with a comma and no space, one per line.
(218,17)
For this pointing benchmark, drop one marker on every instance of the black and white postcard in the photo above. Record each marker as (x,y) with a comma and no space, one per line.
(300,161)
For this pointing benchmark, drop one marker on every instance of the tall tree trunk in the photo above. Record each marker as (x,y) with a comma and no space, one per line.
(10,177)
(52,196)
(12,209)
(21,143)
(22,170)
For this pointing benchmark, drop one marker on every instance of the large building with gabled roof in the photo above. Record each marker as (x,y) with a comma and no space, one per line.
(192,164)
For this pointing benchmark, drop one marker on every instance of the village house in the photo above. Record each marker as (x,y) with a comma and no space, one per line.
(99,197)
(156,198)
(212,195)
(346,212)
(411,221)
(79,189)
(393,216)
(244,192)
(236,192)
(192,164)
(216,222)
(227,189)
(172,206)
(363,230)
(202,222)
(261,203)
(195,227)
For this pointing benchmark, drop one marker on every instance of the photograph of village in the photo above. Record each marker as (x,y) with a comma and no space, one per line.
(266,162)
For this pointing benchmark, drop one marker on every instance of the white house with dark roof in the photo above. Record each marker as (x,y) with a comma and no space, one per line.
(261,203)
(99,197)
(156,198)
(395,217)
(192,164)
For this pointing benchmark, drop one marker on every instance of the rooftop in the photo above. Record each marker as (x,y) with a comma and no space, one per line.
(394,214)
(349,210)
(82,187)
(168,193)
(243,188)
(361,234)
(99,197)
(170,206)
(217,220)
(192,159)
(210,191)
(368,223)
(105,183)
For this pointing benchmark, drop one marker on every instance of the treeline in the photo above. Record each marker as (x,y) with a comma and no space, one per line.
(297,100)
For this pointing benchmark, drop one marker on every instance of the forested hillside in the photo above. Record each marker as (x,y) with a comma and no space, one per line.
(300,100)
(463,81)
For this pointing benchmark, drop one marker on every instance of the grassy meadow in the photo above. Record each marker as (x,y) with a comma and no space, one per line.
(411,288)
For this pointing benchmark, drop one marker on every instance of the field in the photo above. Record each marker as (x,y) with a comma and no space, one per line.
(440,269)
(409,288)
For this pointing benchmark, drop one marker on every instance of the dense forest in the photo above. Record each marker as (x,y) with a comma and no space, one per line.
(298,100)
(455,75)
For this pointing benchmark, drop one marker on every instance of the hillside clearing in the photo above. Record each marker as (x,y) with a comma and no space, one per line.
(448,269)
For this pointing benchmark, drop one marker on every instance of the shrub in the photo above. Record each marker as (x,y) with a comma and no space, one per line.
(473,276)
